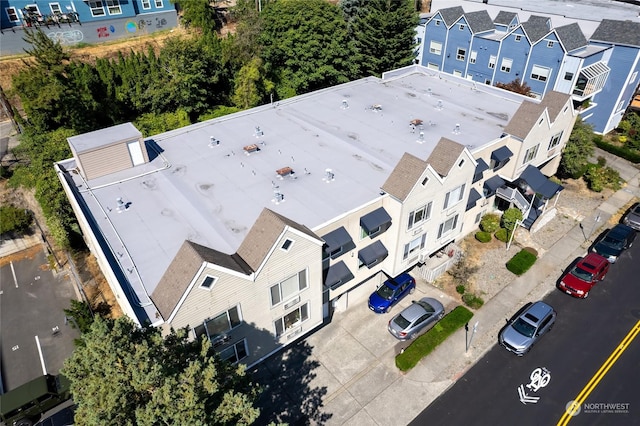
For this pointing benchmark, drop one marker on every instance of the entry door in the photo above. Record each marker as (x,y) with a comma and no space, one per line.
(135,152)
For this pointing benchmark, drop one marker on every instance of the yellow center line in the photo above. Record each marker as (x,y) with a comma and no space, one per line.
(584,393)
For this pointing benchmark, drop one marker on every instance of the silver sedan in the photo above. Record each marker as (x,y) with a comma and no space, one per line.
(415,317)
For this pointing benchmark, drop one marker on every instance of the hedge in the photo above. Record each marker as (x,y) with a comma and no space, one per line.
(521,262)
(426,343)
(483,237)
(502,234)
(627,154)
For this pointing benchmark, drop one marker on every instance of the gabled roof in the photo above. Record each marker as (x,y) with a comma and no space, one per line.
(479,21)
(404,176)
(504,17)
(264,234)
(451,14)
(536,28)
(555,102)
(182,270)
(444,156)
(529,112)
(571,36)
(618,32)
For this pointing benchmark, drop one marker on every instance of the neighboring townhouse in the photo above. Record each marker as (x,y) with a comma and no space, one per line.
(599,74)
(255,228)
(72,21)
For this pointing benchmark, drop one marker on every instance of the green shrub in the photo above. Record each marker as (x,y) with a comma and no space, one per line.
(521,262)
(598,178)
(602,161)
(472,301)
(460,288)
(510,217)
(483,237)
(490,223)
(427,342)
(14,219)
(620,151)
(502,235)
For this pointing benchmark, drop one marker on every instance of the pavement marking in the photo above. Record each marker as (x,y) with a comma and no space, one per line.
(44,367)
(13,271)
(571,410)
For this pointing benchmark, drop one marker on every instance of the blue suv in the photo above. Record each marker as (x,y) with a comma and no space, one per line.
(618,239)
(389,293)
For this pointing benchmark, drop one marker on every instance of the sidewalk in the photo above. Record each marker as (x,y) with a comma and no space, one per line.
(347,374)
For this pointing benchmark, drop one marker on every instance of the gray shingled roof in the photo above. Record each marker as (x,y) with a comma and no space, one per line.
(451,14)
(525,118)
(404,176)
(479,21)
(536,28)
(444,156)
(618,32)
(554,102)
(263,235)
(504,17)
(183,268)
(571,36)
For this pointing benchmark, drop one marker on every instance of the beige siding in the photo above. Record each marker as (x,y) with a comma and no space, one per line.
(105,160)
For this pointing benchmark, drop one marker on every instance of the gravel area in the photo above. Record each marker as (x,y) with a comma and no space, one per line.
(574,204)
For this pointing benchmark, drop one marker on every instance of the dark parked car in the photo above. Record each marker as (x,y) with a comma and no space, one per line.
(632,218)
(526,328)
(618,239)
(415,317)
(582,277)
(390,292)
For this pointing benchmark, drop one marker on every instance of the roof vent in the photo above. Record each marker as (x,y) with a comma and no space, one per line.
(329,176)
(284,172)
(415,123)
(421,138)
(258,132)
(429,91)
(345,104)
(213,142)
(121,205)
(456,130)
(440,105)
(251,148)
(278,197)
(376,107)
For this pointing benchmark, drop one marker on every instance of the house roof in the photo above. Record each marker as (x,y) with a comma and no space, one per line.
(405,175)
(263,235)
(530,112)
(555,102)
(618,32)
(444,156)
(571,36)
(451,14)
(504,18)
(536,28)
(479,21)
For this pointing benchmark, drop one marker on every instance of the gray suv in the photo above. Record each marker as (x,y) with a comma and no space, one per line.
(527,327)
(632,218)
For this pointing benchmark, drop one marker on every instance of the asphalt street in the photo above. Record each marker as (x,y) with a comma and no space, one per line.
(535,389)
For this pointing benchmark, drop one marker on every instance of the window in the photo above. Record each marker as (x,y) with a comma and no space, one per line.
(530,154)
(540,73)
(425,181)
(208,282)
(235,352)
(96,8)
(286,245)
(435,47)
(146,4)
(55,8)
(518,37)
(433,66)
(461,163)
(555,140)
(447,226)
(223,323)
(453,197)
(506,65)
(633,77)
(414,245)
(420,215)
(159,3)
(550,43)
(437,22)
(541,121)
(620,106)
(12,14)
(292,319)
(568,76)
(461,27)
(473,56)
(113,6)
(492,62)
(289,287)
(461,54)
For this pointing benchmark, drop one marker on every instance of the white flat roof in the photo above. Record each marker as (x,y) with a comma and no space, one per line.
(213,194)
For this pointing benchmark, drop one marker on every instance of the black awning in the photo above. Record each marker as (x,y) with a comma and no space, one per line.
(373,254)
(501,154)
(474,196)
(337,275)
(539,182)
(481,166)
(374,220)
(492,184)
(338,239)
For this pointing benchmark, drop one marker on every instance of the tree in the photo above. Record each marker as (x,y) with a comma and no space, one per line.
(578,150)
(516,86)
(384,33)
(14,219)
(199,14)
(127,375)
(510,217)
(250,85)
(306,46)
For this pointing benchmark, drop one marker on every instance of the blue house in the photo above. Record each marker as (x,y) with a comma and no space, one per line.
(73,21)
(599,74)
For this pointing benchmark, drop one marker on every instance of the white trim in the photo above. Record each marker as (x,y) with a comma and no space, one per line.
(15,12)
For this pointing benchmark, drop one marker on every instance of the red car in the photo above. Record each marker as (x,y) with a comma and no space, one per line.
(587,272)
